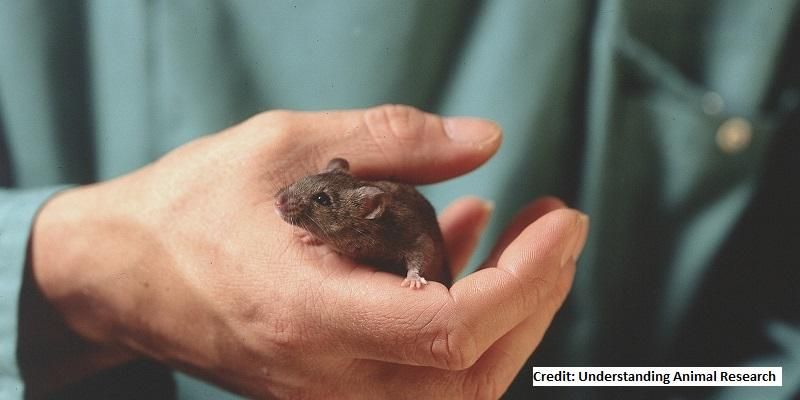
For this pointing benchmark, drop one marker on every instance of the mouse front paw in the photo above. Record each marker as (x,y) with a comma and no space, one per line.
(307,238)
(413,280)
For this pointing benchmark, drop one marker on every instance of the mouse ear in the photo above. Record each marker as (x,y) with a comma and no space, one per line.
(337,164)
(372,201)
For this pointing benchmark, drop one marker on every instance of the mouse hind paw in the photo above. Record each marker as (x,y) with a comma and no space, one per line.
(414,280)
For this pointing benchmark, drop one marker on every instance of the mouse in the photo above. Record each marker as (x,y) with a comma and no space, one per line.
(384,224)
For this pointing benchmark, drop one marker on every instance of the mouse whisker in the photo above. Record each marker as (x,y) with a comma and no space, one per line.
(363,234)
(327,237)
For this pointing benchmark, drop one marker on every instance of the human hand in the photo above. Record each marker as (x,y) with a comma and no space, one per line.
(186,262)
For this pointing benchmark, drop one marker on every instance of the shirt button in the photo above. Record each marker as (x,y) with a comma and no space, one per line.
(712,103)
(734,135)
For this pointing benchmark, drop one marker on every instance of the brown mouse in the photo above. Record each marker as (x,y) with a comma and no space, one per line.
(385,224)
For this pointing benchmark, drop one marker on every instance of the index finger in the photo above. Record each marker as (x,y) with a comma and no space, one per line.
(394,142)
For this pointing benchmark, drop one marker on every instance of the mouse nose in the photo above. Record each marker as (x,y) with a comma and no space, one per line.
(284,203)
(281,200)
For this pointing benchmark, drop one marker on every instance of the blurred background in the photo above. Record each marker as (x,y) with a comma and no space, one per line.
(672,124)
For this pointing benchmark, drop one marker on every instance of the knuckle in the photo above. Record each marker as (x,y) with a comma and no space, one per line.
(278,137)
(277,126)
(283,333)
(271,118)
(527,296)
(454,347)
(394,122)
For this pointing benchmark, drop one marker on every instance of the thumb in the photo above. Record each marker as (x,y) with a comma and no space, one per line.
(397,142)
(526,280)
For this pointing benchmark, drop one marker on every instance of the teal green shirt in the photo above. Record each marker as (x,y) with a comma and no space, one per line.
(672,124)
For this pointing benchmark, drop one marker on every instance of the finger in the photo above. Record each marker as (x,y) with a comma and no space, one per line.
(462,224)
(434,327)
(524,217)
(368,315)
(396,142)
(504,359)
(491,375)
(494,300)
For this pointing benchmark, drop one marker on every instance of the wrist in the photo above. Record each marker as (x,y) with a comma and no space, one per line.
(60,246)
(54,245)
(100,259)
(58,341)
(80,243)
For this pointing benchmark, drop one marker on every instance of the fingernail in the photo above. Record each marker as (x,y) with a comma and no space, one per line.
(583,220)
(488,205)
(471,130)
(577,241)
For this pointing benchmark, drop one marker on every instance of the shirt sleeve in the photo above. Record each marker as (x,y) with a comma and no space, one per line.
(18,209)
(785,338)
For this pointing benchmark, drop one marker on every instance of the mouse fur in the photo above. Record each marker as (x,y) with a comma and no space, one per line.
(385,224)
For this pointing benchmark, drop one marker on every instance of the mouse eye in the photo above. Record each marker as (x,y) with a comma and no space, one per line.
(322,198)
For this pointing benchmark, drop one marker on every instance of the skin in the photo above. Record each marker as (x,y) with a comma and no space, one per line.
(186,262)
